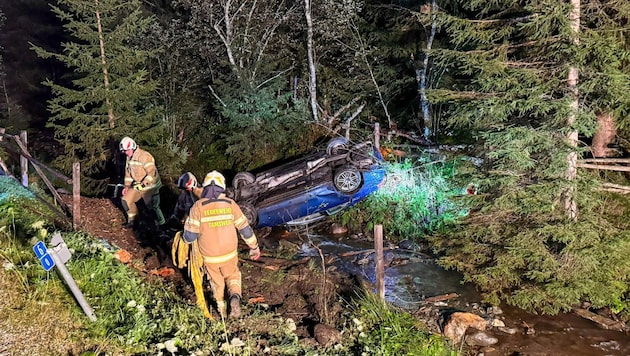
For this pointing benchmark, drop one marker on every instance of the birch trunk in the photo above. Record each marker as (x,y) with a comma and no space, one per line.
(569,201)
(312,76)
(424,102)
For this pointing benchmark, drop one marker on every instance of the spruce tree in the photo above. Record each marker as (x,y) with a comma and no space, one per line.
(508,85)
(106,93)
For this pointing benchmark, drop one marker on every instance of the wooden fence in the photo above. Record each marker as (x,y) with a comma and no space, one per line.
(17,145)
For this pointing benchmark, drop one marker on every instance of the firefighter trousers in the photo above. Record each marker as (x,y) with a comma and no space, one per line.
(224,275)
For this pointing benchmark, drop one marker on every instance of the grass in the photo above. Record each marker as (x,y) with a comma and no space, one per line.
(385,330)
(134,315)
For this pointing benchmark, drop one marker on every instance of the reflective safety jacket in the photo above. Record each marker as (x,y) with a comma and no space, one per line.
(140,169)
(214,222)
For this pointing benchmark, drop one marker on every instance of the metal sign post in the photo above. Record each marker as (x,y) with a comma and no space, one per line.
(58,256)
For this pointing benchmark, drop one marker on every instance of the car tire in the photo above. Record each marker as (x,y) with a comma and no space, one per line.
(348,180)
(337,145)
(250,213)
(242,179)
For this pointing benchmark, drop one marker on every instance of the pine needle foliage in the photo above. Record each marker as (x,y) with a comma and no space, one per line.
(508,62)
(82,101)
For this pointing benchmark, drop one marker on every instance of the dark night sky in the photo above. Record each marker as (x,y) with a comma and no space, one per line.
(28,21)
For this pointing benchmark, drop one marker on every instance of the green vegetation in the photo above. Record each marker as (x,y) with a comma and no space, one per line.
(385,331)
(138,316)
(416,199)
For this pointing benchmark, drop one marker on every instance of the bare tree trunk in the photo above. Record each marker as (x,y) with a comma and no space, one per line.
(110,109)
(572,137)
(606,133)
(312,81)
(424,103)
(226,35)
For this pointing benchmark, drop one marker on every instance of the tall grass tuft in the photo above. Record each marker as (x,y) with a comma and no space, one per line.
(384,330)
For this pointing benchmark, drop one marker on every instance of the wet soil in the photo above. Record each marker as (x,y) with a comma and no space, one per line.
(300,293)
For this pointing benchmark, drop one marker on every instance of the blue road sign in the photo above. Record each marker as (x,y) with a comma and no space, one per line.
(40,249)
(44,258)
(47,262)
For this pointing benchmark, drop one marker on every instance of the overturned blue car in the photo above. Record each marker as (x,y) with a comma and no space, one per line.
(310,188)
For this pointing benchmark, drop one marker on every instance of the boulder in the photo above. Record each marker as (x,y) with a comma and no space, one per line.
(458,322)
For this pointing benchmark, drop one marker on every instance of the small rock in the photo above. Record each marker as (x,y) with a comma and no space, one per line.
(338,229)
(406,245)
(510,331)
(481,339)
(326,335)
(497,323)
(495,310)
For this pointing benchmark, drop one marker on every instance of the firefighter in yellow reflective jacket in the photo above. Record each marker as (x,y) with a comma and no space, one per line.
(214,220)
(142,181)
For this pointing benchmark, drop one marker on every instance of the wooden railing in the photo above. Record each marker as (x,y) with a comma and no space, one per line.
(17,145)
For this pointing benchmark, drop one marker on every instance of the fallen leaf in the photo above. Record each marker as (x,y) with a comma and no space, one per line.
(123,256)
(255,300)
(162,272)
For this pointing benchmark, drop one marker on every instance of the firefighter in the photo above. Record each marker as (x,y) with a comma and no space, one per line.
(142,181)
(213,221)
(191,192)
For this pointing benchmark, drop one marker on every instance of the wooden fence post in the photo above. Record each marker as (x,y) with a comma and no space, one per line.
(24,160)
(380,265)
(76,195)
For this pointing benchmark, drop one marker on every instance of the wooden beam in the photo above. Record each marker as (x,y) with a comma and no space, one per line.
(604,167)
(380,263)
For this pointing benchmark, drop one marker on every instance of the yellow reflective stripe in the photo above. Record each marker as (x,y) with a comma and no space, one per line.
(240,220)
(135,163)
(193,222)
(234,282)
(130,180)
(217,218)
(130,216)
(220,259)
(251,241)
(149,178)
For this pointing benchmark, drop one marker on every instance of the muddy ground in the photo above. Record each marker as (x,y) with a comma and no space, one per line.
(295,294)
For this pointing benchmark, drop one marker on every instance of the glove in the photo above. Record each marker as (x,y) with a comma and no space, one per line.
(254,254)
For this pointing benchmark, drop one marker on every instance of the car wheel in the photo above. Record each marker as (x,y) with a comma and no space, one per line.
(250,213)
(242,178)
(337,146)
(348,180)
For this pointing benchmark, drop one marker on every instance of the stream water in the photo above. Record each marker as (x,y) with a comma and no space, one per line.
(410,277)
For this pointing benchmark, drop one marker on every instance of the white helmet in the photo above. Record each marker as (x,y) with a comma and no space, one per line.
(214,177)
(127,143)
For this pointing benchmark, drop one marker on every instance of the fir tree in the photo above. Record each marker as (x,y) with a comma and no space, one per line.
(510,86)
(107,93)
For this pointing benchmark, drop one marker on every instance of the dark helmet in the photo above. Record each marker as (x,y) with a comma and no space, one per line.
(187,181)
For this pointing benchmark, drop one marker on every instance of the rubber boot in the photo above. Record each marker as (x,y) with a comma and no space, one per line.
(235,306)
